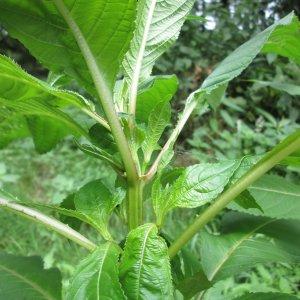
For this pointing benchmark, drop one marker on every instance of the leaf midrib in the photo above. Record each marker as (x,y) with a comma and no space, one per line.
(143,255)
(32,284)
(273,191)
(100,270)
(235,246)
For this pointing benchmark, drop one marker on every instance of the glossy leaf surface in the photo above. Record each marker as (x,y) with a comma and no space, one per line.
(96,276)
(196,186)
(145,267)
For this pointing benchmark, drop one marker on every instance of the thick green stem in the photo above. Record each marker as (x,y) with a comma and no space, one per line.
(49,222)
(135,204)
(104,92)
(285,148)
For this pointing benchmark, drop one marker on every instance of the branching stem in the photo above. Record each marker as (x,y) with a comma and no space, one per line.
(285,148)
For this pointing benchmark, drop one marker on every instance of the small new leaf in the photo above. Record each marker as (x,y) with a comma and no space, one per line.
(96,202)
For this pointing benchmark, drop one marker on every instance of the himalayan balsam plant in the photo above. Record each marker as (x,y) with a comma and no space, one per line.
(109,48)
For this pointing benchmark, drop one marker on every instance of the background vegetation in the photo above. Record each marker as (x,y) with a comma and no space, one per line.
(252,118)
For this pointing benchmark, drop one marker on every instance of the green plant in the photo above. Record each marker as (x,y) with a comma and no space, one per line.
(94,43)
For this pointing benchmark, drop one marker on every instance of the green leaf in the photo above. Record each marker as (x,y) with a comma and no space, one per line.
(68,204)
(92,204)
(266,296)
(159,89)
(96,202)
(96,152)
(65,210)
(245,200)
(282,38)
(102,138)
(12,126)
(42,105)
(285,38)
(237,61)
(196,186)
(291,89)
(242,246)
(194,284)
(158,120)
(158,24)
(25,278)
(145,267)
(277,197)
(105,26)
(96,277)
(46,132)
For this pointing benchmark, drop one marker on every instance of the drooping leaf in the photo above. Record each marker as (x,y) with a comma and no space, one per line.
(292,89)
(96,202)
(266,296)
(277,198)
(158,24)
(40,105)
(158,120)
(105,25)
(25,278)
(145,267)
(160,89)
(241,247)
(196,186)
(96,277)
(282,37)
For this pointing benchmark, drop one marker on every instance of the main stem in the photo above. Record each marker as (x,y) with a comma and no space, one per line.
(104,92)
(135,204)
(288,146)
(49,222)
(106,98)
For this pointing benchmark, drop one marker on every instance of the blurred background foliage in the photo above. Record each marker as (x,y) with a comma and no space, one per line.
(250,120)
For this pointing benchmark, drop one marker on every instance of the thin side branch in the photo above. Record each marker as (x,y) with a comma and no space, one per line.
(285,148)
(49,222)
